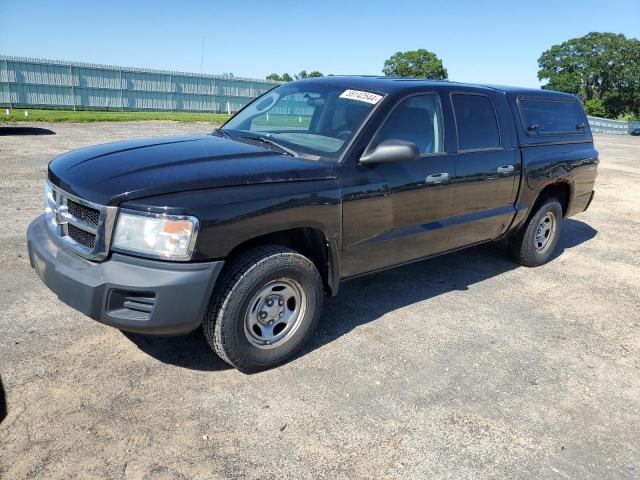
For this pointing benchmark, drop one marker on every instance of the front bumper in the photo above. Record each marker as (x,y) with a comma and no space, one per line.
(129,293)
(593,193)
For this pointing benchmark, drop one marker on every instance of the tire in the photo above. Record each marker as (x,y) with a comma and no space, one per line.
(527,247)
(273,282)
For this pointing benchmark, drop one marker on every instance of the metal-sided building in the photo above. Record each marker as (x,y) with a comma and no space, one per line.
(40,83)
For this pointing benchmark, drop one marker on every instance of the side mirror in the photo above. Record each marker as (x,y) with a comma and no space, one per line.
(389,151)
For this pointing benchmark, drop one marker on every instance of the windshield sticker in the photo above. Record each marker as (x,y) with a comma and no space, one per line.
(367,97)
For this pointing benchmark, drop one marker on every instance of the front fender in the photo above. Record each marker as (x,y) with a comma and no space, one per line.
(233,215)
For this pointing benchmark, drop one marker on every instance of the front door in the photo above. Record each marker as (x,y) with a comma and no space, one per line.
(397,212)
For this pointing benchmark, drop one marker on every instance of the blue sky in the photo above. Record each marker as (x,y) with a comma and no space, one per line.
(493,42)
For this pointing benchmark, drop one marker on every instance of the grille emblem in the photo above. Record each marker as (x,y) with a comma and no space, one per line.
(60,214)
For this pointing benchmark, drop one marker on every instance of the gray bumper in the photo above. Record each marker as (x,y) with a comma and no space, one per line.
(129,293)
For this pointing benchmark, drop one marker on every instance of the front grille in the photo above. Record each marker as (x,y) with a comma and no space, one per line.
(83,238)
(86,214)
(84,226)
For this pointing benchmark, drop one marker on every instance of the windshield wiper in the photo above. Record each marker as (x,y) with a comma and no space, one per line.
(223,133)
(268,141)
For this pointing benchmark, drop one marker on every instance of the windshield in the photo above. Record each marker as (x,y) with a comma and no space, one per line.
(309,118)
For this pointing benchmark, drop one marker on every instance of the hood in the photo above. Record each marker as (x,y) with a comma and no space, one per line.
(114,172)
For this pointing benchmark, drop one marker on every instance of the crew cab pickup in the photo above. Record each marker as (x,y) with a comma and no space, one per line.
(244,231)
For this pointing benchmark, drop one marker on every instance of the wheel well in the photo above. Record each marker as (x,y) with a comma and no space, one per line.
(561,191)
(310,242)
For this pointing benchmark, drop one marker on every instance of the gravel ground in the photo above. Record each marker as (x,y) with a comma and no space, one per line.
(465,366)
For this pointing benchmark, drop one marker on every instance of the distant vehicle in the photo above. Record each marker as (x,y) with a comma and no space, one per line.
(245,230)
(635,132)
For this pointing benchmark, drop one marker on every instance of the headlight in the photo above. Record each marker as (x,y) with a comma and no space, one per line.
(169,237)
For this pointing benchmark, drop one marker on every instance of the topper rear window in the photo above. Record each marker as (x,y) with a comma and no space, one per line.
(551,117)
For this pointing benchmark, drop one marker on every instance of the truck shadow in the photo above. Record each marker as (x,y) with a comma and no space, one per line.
(3,402)
(187,351)
(368,298)
(25,131)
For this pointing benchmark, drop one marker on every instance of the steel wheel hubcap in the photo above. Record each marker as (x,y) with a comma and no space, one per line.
(274,313)
(545,231)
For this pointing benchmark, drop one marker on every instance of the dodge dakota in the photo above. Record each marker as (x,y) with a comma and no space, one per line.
(244,231)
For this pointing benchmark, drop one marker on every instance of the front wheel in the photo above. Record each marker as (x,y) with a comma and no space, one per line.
(264,309)
(535,243)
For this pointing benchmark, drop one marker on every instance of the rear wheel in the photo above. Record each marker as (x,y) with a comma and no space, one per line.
(535,243)
(264,308)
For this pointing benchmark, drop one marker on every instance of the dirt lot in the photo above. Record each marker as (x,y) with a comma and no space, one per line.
(465,366)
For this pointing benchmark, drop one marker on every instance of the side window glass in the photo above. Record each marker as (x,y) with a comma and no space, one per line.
(476,122)
(551,117)
(417,119)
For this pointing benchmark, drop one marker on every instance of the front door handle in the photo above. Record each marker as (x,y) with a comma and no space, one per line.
(505,169)
(438,178)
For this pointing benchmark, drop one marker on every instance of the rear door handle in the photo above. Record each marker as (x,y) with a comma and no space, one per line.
(438,178)
(505,169)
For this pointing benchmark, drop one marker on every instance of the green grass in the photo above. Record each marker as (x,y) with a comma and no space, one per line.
(277,121)
(17,115)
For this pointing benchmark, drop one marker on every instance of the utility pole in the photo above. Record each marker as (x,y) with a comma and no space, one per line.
(6,69)
(202,56)
(71,82)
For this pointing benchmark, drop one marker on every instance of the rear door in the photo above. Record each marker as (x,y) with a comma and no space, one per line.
(487,164)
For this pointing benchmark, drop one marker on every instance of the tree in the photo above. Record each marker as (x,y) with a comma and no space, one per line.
(415,63)
(598,66)
(285,77)
(595,107)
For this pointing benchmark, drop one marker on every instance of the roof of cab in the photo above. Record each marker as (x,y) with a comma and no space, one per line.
(379,84)
(390,85)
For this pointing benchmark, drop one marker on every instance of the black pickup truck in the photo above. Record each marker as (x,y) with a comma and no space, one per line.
(244,231)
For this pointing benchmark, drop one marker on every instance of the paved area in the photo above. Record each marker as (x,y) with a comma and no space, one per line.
(465,366)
